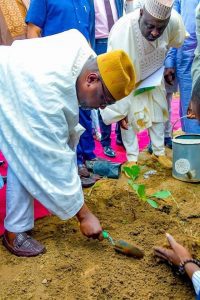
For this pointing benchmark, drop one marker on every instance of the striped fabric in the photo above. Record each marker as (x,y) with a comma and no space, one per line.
(196,282)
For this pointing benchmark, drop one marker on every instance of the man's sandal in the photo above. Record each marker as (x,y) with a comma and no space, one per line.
(23,245)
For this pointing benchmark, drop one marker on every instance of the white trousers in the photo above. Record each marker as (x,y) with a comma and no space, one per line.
(19,206)
(156,133)
(168,127)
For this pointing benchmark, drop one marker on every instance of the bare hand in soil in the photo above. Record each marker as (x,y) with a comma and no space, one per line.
(90,226)
(176,255)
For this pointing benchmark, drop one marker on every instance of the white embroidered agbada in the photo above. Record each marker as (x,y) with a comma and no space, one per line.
(144,109)
(39,117)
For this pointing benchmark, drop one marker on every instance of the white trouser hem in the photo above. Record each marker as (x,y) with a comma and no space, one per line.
(130,142)
(156,133)
(19,205)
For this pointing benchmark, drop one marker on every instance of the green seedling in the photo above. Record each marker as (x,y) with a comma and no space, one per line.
(140,189)
(133,172)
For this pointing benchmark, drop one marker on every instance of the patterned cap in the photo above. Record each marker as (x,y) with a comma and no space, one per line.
(117,72)
(159,9)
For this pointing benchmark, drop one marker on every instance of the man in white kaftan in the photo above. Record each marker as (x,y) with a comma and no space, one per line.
(42,84)
(149,109)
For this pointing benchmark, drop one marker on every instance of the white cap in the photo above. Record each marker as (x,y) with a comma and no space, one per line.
(159,9)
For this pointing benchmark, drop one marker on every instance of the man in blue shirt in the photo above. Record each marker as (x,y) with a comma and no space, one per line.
(180,61)
(102,29)
(48,17)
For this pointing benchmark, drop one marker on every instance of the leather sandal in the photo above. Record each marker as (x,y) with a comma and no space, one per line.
(22,244)
(83,171)
(87,181)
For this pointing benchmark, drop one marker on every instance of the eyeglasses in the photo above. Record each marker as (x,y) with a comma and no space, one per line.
(107,100)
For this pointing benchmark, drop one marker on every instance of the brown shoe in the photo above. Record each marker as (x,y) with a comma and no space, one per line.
(83,171)
(21,244)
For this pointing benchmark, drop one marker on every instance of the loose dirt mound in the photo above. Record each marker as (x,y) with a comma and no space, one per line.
(78,268)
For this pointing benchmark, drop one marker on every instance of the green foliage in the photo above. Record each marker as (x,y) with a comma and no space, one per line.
(133,172)
(161,194)
(140,189)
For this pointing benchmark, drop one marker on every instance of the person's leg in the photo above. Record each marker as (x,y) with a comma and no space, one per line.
(118,134)
(19,206)
(130,142)
(19,219)
(86,139)
(168,127)
(95,125)
(100,48)
(85,149)
(105,137)
(156,132)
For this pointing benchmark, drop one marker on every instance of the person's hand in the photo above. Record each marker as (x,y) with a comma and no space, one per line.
(190,113)
(169,75)
(124,123)
(89,224)
(176,255)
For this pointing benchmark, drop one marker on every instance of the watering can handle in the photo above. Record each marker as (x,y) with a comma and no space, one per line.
(176,122)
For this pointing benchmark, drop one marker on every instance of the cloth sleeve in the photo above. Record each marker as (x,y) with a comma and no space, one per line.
(196,61)
(170,60)
(196,281)
(130,6)
(37,13)
(198,26)
(177,31)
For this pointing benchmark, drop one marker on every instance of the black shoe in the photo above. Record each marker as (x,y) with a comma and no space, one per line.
(168,142)
(107,150)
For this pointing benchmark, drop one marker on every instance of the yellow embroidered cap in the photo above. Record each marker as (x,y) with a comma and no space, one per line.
(117,72)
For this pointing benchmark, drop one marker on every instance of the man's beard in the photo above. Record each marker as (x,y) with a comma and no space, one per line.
(83,105)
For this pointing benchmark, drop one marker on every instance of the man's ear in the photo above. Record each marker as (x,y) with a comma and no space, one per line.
(92,77)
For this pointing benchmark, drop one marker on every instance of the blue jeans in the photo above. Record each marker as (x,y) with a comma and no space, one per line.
(86,145)
(183,69)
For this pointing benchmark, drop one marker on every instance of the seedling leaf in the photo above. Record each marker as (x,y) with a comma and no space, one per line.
(133,171)
(128,171)
(153,203)
(141,191)
(161,194)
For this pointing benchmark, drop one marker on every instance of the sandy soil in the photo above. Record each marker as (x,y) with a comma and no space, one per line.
(78,268)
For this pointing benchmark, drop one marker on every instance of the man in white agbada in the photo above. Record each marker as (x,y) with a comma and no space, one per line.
(146,35)
(42,84)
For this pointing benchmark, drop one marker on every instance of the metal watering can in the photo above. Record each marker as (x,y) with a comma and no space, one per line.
(186,156)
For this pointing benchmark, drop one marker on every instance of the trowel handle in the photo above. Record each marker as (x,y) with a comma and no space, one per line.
(105,234)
